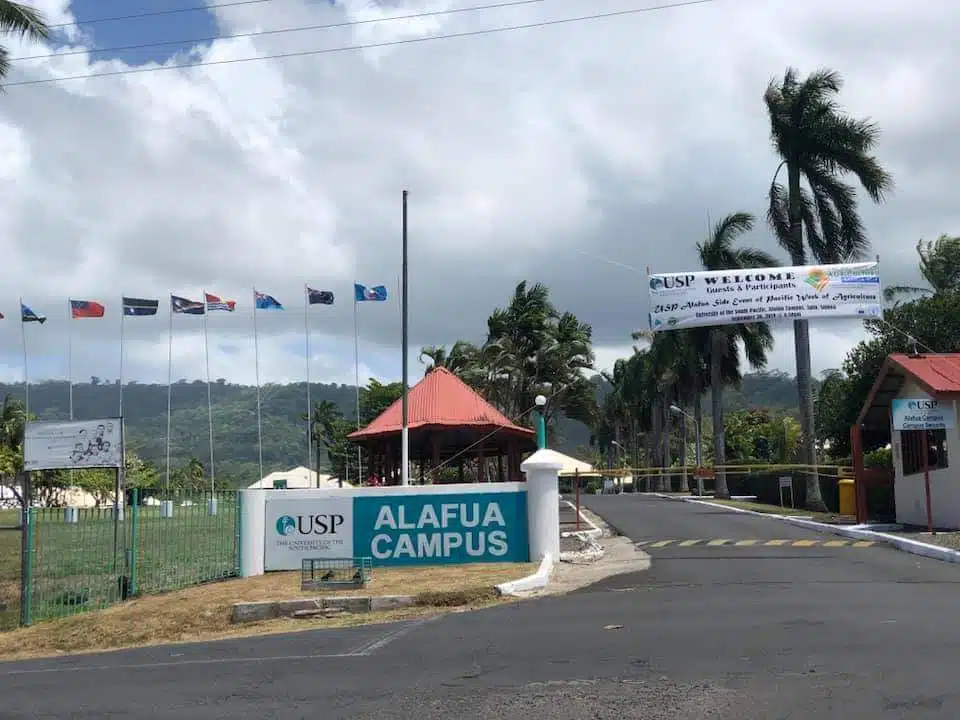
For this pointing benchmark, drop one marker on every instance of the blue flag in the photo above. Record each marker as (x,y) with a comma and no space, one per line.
(28,315)
(377,293)
(262,301)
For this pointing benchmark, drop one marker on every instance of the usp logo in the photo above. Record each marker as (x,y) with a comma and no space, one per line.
(286,525)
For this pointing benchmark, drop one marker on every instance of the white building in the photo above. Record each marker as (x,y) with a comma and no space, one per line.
(298,478)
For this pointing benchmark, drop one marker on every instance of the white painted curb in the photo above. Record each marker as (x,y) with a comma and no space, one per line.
(536,581)
(594,531)
(857,532)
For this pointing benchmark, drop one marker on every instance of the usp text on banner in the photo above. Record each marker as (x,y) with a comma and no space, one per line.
(731,297)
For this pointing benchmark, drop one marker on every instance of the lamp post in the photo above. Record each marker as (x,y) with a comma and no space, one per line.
(696,425)
(540,401)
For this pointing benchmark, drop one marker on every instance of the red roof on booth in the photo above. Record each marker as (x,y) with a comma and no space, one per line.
(936,374)
(440,399)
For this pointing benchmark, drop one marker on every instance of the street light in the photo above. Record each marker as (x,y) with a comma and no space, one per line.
(696,425)
(540,401)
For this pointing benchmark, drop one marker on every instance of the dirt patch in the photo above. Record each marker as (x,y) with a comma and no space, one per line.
(204,613)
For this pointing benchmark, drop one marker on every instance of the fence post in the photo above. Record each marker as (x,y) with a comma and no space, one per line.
(239,536)
(26,581)
(134,517)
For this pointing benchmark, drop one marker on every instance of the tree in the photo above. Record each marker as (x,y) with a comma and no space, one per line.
(718,252)
(818,145)
(939,266)
(461,360)
(23,21)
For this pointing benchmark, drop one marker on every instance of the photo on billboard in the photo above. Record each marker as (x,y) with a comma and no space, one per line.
(73,445)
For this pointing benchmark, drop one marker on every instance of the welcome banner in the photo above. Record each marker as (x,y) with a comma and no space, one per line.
(731,297)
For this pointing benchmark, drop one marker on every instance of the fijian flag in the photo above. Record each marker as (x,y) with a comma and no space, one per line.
(319,297)
(86,309)
(185,306)
(140,306)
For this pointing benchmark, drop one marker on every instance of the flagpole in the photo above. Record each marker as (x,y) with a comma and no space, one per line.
(206,360)
(256,361)
(404,349)
(356,375)
(123,314)
(70,352)
(26,376)
(169,393)
(306,338)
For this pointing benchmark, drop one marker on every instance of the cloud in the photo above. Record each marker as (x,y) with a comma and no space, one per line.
(522,151)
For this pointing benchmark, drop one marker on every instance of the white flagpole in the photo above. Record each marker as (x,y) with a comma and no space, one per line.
(70,352)
(256,360)
(169,393)
(306,339)
(206,360)
(356,372)
(123,313)
(26,376)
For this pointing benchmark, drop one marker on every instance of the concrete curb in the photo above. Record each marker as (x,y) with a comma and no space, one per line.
(537,581)
(856,532)
(245,612)
(594,530)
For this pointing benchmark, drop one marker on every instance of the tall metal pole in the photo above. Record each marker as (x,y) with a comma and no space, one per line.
(206,362)
(166,482)
(404,343)
(256,370)
(306,342)
(356,379)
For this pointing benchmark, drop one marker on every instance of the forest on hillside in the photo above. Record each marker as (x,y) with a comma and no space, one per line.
(283,407)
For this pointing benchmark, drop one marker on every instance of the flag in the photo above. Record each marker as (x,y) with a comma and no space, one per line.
(28,315)
(377,293)
(186,307)
(262,301)
(86,309)
(319,297)
(1,316)
(216,303)
(139,306)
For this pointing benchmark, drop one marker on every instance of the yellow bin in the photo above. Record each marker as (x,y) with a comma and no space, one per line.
(848,497)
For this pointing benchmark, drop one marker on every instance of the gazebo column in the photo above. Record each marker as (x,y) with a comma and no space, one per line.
(435,446)
(423,459)
(460,470)
(481,466)
(500,465)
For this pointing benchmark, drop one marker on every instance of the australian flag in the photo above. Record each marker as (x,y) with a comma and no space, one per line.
(185,306)
(377,293)
(319,297)
(140,306)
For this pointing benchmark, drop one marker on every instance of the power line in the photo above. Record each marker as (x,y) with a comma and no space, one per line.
(367,46)
(259,33)
(155,13)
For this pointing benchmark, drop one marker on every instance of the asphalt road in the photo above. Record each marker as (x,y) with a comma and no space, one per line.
(721,631)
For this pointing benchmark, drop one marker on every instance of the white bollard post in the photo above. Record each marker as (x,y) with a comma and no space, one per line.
(253,510)
(543,503)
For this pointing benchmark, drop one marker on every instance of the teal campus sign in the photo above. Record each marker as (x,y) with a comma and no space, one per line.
(391,528)
(433,529)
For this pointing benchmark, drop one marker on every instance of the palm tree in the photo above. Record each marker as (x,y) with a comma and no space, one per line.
(818,144)
(717,252)
(23,21)
(939,266)
(461,360)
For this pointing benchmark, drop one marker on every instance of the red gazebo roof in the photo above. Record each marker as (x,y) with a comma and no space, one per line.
(440,399)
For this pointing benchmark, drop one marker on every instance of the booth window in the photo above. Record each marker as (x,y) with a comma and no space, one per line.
(913,442)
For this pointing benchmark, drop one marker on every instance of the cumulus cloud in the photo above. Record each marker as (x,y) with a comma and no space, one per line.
(533,154)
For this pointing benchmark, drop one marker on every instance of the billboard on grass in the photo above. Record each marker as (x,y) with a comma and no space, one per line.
(73,445)
(731,297)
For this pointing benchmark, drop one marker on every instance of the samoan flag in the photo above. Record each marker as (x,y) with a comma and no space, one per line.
(215,302)
(377,293)
(28,315)
(86,309)
(186,307)
(319,297)
(140,306)
(262,301)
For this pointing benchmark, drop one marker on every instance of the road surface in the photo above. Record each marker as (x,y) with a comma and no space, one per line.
(724,631)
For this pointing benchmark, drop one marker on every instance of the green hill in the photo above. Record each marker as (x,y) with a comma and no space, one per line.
(284,433)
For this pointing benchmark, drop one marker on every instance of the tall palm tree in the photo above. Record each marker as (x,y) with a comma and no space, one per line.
(461,359)
(939,267)
(23,21)
(818,145)
(717,252)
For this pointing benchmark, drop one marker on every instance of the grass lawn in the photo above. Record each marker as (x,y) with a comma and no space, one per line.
(777,510)
(84,566)
(203,613)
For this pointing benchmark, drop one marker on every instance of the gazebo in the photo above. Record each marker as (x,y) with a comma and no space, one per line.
(447,420)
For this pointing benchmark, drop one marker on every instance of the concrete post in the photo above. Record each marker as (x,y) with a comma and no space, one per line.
(253,510)
(542,470)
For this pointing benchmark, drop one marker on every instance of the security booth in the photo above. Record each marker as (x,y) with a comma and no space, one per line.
(912,408)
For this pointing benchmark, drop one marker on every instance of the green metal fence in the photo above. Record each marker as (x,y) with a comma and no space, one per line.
(89,558)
